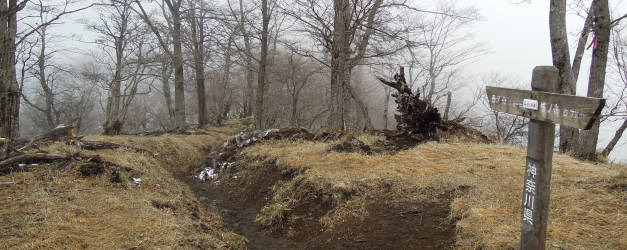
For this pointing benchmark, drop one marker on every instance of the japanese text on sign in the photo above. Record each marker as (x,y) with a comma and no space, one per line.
(529,195)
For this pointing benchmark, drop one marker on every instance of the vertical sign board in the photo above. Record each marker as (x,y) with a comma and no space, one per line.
(545,109)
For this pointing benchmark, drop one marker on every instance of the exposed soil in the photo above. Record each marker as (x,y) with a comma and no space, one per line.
(388,224)
(239,202)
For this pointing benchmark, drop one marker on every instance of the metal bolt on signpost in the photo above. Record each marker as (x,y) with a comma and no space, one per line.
(545,108)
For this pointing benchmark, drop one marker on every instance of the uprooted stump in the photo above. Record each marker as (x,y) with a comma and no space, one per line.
(418,121)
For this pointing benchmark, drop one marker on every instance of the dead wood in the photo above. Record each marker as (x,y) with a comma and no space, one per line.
(417,118)
(59,133)
(99,145)
(18,163)
(31,158)
(418,121)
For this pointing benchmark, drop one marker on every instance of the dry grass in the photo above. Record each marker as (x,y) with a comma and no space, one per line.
(66,210)
(588,203)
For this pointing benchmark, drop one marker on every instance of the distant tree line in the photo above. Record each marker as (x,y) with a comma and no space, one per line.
(168,64)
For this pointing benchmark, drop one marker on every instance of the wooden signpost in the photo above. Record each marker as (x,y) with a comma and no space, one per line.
(545,108)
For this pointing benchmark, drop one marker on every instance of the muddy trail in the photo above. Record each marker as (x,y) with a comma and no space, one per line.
(238,216)
(407,225)
(241,189)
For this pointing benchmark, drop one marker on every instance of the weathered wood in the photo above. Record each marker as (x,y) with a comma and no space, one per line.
(545,108)
(99,145)
(572,111)
(30,158)
(537,181)
(57,134)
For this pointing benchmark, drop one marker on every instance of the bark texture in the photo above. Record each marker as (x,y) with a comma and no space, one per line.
(198,37)
(261,79)
(339,68)
(596,82)
(561,60)
(9,90)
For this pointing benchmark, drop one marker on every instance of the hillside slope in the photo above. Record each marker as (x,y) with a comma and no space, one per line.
(65,209)
(458,195)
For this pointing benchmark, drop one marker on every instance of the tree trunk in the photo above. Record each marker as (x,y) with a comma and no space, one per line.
(561,60)
(113,116)
(222,102)
(619,133)
(166,72)
(9,90)
(48,95)
(199,66)
(294,116)
(179,81)
(261,79)
(581,45)
(386,106)
(363,109)
(449,97)
(249,93)
(596,82)
(339,56)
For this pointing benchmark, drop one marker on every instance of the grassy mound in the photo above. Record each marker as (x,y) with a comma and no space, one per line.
(480,183)
(67,209)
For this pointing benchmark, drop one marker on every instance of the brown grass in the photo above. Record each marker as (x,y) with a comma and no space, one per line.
(587,207)
(66,210)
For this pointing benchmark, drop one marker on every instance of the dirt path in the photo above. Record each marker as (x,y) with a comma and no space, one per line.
(239,217)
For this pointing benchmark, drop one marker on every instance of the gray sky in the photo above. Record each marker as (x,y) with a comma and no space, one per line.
(518,36)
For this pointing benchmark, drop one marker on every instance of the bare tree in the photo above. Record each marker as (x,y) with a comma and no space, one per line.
(618,111)
(263,61)
(122,41)
(444,50)
(240,17)
(10,39)
(174,11)
(596,82)
(349,32)
(197,17)
(506,128)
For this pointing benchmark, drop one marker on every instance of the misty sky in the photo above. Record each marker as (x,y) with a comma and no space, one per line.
(518,37)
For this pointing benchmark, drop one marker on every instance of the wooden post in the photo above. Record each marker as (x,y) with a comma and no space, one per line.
(537,182)
(545,108)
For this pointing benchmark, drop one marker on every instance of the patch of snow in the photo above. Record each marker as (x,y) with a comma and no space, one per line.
(136,180)
(60,126)
(207,173)
(21,165)
(265,133)
(234,176)
(34,164)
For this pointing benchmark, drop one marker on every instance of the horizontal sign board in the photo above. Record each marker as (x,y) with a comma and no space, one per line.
(568,110)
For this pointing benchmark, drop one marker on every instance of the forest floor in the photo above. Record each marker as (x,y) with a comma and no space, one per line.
(304,194)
